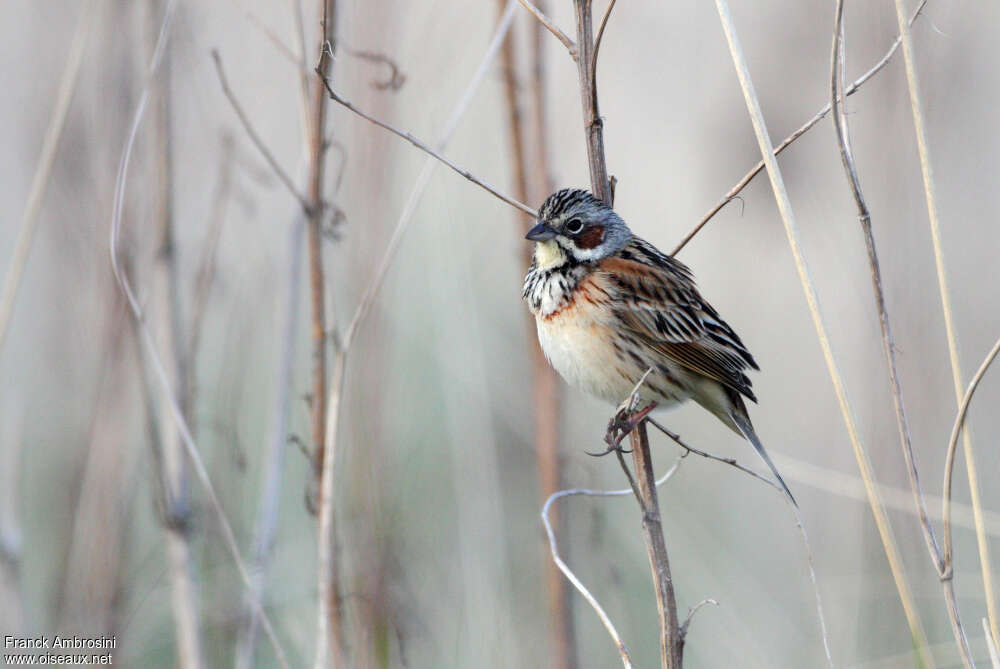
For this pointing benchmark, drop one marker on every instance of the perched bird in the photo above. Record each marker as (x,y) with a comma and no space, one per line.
(609,306)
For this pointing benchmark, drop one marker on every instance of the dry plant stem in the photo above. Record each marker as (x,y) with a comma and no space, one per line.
(426,149)
(326,554)
(821,618)
(43,170)
(837,67)
(593,125)
(267,514)
(949,322)
(330,609)
(791,229)
(991,644)
(564,568)
(597,49)
(949,462)
(326,557)
(671,643)
(282,175)
(174,406)
(551,27)
(545,391)
(402,224)
(166,306)
(805,127)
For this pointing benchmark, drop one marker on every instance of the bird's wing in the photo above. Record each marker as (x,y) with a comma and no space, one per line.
(656,299)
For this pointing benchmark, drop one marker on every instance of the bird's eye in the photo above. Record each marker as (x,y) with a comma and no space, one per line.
(574,226)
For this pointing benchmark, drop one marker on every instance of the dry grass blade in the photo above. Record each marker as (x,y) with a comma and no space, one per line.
(46,160)
(927,173)
(991,643)
(791,229)
(176,412)
(888,345)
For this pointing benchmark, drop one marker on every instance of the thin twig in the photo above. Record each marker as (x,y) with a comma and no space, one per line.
(402,224)
(551,27)
(949,461)
(426,149)
(597,49)
(690,616)
(791,229)
(564,568)
(43,170)
(593,124)
(147,338)
(255,138)
(805,127)
(837,67)
(927,173)
(334,400)
(270,497)
(821,618)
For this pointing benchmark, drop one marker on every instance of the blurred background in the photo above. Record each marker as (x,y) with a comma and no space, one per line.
(440,553)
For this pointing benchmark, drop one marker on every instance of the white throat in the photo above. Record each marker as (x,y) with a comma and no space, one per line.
(549,254)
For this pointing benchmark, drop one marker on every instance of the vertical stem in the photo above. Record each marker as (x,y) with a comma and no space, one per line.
(659,562)
(314,194)
(593,125)
(530,177)
(670,640)
(949,323)
(167,320)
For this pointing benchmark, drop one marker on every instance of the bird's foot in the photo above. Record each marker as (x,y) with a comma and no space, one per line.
(619,426)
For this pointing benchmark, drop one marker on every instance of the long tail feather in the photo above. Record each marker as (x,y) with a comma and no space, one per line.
(743,423)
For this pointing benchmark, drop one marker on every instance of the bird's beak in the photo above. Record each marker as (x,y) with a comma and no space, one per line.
(541,232)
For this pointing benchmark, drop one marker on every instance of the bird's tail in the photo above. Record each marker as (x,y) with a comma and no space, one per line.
(739,417)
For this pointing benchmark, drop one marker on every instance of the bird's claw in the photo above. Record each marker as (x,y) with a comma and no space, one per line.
(619,426)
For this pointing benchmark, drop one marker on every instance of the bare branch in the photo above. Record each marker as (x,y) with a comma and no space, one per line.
(597,49)
(551,27)
(805,127)
(791,230)
(949,462)
(564,568)
(255,138)
(693,610)
(428,150)
(592,123)
(795,511)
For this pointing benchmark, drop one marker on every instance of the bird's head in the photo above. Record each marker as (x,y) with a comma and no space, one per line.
(574,226)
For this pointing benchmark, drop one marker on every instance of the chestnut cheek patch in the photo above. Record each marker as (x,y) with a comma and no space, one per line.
(591,238)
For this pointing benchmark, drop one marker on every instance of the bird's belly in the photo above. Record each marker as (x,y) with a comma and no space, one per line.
(582,350)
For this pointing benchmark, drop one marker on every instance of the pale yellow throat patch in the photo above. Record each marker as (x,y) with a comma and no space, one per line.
(548,254)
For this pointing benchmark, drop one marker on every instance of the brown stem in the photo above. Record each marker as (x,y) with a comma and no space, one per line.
(314,241)
(545,391)
(592,123)
(656,546)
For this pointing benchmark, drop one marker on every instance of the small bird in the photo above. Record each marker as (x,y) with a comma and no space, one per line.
(609,306)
